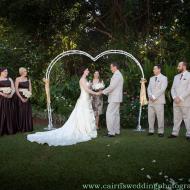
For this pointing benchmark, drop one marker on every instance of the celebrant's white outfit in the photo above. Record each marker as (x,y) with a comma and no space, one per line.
(80,126)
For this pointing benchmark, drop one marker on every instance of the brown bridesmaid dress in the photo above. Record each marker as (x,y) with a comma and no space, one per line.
(25,122)
(8,124)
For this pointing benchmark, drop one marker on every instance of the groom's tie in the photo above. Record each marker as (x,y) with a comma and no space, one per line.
(181,76)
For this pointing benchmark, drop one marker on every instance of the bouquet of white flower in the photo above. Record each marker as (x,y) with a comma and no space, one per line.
(98,86)
(26,93)
(6,90)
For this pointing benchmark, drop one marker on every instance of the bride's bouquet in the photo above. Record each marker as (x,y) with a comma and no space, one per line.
(6,90)
(98,86)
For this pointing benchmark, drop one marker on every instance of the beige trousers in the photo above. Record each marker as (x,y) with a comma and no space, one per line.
(181,114)
(156,111)
(113,118)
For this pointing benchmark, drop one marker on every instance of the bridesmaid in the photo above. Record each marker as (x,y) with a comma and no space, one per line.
(97,101)
(24,91)
(7,108)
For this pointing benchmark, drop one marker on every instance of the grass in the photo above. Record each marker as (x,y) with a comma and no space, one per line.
(26,165)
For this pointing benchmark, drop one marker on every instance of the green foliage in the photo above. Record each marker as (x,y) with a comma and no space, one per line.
(33,32)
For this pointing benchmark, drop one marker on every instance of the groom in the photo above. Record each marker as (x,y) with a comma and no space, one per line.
(115,97)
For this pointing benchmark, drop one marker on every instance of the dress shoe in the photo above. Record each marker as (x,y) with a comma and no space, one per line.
(161,135)
(172,136)
(188,139)
(150,134)
(108,135)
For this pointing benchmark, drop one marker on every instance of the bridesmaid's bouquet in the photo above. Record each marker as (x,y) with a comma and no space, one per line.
(6,90)
(98,86)
(26,93)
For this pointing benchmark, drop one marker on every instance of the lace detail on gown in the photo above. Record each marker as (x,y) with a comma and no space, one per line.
(80,126)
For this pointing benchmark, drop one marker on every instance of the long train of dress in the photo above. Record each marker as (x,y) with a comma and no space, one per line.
(80,126)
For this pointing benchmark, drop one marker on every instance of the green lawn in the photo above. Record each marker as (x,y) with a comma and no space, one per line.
(26,165)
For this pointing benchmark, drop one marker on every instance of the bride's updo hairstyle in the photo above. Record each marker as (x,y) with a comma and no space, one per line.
(82,69)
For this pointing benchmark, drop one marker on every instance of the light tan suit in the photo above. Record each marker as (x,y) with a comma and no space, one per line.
(156,90)
(115,97)
(181,111)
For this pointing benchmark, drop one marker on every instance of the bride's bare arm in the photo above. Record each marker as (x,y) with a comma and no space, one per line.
(86,88)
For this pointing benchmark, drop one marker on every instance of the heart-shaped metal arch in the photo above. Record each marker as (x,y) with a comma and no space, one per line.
(78,52)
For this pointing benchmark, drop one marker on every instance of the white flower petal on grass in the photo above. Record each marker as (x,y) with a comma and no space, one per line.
(181,179)
(142,169)
(153,161)
(148,176)
(160,173)
(165,176)
(108,145)
(108,155)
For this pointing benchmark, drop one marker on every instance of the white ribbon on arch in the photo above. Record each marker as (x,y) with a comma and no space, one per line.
(79,52)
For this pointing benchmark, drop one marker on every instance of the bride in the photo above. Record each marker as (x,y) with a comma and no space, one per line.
(80,126)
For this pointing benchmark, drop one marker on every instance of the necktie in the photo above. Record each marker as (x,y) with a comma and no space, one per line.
(181,76)
(156,79)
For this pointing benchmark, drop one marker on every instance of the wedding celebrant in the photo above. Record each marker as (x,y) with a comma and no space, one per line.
(97,101)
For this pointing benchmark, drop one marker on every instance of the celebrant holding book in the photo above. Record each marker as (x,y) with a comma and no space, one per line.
(97,101)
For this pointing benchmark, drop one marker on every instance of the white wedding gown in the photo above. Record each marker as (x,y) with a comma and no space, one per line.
(80,126)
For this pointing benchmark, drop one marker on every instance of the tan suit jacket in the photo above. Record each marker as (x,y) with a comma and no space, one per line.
(156,89)
(181,88)
(115,89)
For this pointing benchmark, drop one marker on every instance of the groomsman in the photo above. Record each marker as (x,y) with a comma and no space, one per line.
(156,93)
(181,100)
